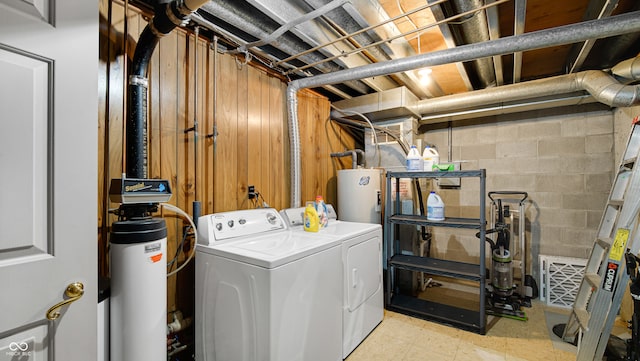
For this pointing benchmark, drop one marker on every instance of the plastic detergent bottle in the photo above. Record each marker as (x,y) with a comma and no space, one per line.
(430,158)
(414,160)
(321,209)
(435,207)
(310,219)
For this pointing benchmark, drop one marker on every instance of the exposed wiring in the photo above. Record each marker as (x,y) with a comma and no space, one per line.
(247,58)
(373,130)
(179,247)
(402,11)
(179,211)
(255,201)
(465,19)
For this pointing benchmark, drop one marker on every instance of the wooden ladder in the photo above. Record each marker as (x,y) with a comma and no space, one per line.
(605,278)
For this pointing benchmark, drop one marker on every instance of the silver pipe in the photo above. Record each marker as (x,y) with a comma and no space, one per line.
(450,141)
(474,29)
(290,45)
(294,141)
(518,29)
(507,108)
(363,30)
(390,39)
(195,114)
(601,28)
(628,69)
(602,86)
(286,27)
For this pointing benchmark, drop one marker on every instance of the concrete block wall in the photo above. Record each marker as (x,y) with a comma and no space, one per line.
(564,160)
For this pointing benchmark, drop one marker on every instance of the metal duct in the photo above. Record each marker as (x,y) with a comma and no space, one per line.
(474,29)
(388,104)
(602,86)
(628,69)
(235,15)
(568,34)
(168,16)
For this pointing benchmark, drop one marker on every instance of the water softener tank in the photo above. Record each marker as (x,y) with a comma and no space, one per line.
(138,290)
(359,198)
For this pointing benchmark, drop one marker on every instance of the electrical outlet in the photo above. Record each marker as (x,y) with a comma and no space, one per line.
(252,192)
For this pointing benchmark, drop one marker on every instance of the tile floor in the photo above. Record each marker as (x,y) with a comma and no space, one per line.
(403,338)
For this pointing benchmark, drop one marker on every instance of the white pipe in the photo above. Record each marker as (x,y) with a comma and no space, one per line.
(184,214)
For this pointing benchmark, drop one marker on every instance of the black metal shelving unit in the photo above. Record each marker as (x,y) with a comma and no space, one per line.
(471,320)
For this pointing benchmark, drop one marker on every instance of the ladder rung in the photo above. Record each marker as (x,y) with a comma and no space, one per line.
(616,202)
(604,243)
(583,318)
(629,161)
(593,279)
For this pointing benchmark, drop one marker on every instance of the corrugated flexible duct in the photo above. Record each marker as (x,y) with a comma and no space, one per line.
(595,29)
(167,17)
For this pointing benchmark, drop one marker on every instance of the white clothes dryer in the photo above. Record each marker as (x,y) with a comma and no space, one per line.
(265,293)
(363,294)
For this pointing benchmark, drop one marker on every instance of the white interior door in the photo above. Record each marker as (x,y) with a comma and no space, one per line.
(48,173)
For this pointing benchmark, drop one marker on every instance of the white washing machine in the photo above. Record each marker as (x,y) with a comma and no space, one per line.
(265,293)
(363,298)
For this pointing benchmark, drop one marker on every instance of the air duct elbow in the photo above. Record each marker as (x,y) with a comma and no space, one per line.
(607,90)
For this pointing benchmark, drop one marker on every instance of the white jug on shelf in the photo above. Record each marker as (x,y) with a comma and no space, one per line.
(430,158)
(435,207)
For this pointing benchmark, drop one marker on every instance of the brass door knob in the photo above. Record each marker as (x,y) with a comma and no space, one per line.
(74,291)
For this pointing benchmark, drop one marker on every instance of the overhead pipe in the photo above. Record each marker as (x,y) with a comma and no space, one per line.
(292,24)
(354,156)
(474,28)
(599,84)
(168,16)
(601,28)
(229,11)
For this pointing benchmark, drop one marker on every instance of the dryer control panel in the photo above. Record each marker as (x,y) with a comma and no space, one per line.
(219,227)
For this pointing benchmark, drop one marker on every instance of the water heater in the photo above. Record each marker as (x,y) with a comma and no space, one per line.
(359,196)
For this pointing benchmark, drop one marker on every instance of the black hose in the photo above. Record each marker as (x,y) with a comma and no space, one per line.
(137,132)
(136,137)
(487,239)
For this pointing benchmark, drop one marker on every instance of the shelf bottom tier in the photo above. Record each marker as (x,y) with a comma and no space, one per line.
(461,318)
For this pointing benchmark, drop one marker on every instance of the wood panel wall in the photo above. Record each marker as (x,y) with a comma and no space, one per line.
(247,107)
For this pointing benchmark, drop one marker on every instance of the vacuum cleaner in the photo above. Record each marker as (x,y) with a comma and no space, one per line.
(504,298)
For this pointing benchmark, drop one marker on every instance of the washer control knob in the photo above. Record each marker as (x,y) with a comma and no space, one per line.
(271,218)
(230,223)
(242,221)
(219,226)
